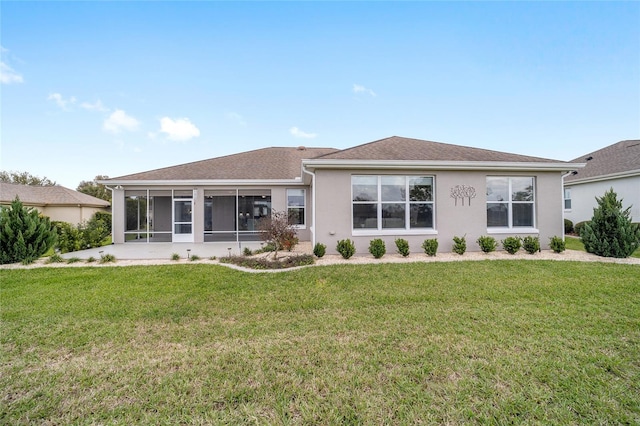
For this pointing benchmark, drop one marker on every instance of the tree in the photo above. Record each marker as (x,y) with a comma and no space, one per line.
(25,178)
(95,189)
(610,232)
(25,235)
(278,231)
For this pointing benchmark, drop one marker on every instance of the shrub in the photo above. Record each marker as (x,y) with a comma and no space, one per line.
(175,256)
(194,257)
(610,232)
(319,249)
(557,244)
(568,226)
(346,248)
(24,234)
(459,245)
(247,251)
(577,228)
(403,246)
(377,248)
(531,244)
(55,258)
(512,244)
(74,260)
(430,246)
(105,217)
(487,244)
(107,258)
(91,259)
(85,235)
(278,231)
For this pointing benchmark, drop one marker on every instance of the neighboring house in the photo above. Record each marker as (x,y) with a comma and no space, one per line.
(392,188)
(57,202)
(617,166)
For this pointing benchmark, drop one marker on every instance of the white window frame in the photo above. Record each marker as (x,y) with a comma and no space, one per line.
(511,228)
(407,230)
(303,225)
(565,199)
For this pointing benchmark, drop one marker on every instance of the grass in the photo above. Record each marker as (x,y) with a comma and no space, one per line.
(575,243)
(498,342)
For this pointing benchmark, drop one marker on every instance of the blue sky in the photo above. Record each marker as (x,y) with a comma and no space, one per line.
(113,88)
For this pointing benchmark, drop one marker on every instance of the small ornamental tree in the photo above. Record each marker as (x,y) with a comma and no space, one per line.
(610,232)
(278,232)
(24,234)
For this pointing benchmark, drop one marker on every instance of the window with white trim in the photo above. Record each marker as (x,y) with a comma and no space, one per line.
(510,202)
(567,198)
(391,203)
(296,199)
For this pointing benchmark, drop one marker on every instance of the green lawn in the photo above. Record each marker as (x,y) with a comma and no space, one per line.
(498,342)
(574,243)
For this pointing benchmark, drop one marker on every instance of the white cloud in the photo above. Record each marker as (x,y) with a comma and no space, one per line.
(181,129)
(300,134)
(234,116)
(357,88)
(61,101)
(97,106)
(118,121)
(8,75)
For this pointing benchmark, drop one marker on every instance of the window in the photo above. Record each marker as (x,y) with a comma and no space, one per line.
(510,202)
(296,206)
(567,198)
(392,202)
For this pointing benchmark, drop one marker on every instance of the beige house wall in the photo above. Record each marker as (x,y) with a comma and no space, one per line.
(334,220)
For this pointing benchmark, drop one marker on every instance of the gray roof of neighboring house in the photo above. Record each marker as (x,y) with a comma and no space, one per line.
(620,157)
(407,149)
(47,196)
(277,163)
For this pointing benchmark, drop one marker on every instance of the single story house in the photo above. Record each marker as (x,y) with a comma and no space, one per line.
(616,166)
(57,202)
(391,188)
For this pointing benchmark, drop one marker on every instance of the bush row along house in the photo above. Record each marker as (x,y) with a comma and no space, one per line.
(391,188)
(57,202)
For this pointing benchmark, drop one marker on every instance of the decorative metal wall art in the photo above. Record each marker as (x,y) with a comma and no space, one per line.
(463,191)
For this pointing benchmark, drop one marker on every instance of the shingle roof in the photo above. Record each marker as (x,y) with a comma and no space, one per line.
(267,163)
(47,196)
(620,157)
(399,148)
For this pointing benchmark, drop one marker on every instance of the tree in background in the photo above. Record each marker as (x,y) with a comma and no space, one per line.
(25,178)
(95,189)
(25,235)
(610,232)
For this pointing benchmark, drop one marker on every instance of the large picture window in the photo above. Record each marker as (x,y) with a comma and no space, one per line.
(296,206)
(391,203)
(510,202)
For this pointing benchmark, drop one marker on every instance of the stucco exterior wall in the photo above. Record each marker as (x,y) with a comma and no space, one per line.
(334,221)
(583,197)
(71,214)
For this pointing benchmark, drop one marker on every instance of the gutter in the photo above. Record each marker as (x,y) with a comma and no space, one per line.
(203,182)
(438,165)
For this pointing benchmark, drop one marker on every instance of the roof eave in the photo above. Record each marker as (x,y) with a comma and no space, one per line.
(201,182)
(441,165)
(619,175)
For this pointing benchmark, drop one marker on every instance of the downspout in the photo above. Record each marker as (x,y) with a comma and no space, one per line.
(112,235)
(313,207)
(569,173)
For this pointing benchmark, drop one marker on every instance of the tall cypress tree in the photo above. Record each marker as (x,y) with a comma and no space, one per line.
(610,232)
(24,234)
